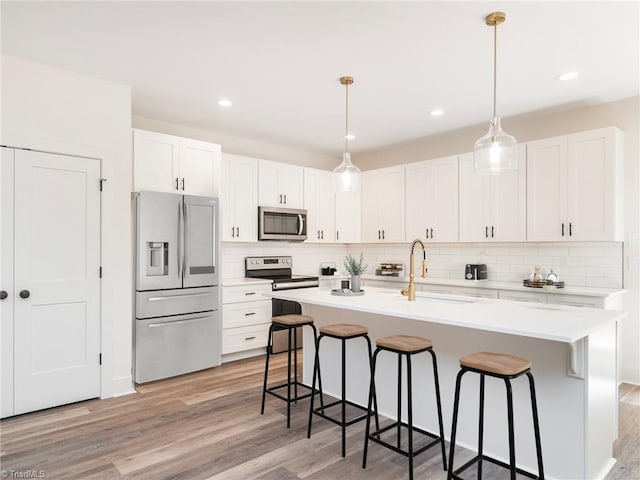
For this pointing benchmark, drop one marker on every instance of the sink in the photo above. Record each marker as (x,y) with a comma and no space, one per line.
(432,298)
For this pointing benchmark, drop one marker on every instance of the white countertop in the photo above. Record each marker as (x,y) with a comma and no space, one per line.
(489,284)
(237,282)
(550,322)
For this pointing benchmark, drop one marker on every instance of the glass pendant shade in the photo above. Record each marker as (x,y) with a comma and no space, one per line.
(347,175)
(496,151)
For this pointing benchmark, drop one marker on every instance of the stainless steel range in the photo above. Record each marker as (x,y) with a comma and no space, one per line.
(279,270)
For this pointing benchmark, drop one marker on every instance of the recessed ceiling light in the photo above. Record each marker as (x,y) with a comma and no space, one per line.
(224,102)
(349,136)
(436,113)
(568,76)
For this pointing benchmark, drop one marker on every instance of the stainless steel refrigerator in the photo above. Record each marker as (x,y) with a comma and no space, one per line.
(177,321)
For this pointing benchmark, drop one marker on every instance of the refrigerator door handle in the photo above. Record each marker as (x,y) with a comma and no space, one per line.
(185,241)
(178,322)
(180,238)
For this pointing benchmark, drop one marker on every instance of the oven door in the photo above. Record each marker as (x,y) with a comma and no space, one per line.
(282,224)
(280,337)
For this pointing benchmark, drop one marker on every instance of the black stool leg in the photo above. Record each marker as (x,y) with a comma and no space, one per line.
(316,367)
(266,368)
(536,426)
(399,398)
(289,378)
(409,416)
(456,404)
(375,400)
(439,405)
(295,364)
(371,395)
(344,395)
(512,447)
(480,425)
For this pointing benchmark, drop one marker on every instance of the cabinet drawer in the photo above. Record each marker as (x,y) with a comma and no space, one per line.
(244,338)
(534,297)
(575,300)
(246,313)
(245,293)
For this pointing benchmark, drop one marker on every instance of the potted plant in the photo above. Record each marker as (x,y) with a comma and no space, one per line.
(355,268)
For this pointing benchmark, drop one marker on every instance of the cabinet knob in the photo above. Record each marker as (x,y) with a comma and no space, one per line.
(24,294)
(3,295)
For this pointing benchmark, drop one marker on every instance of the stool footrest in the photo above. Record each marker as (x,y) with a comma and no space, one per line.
(320,412)
(375,437)
(455,474)
(272,391)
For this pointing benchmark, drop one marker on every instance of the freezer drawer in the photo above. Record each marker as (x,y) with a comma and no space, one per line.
(159,303)
(170,346)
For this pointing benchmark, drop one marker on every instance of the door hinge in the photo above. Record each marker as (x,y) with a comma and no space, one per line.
(102,180)
(100,272)
(100,358)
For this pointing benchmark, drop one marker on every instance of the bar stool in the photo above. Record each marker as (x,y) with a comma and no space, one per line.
(291,323)
(505,367)
(407,346)
(342,332)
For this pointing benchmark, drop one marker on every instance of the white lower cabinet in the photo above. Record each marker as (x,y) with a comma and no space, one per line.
(246,316)
(467,291)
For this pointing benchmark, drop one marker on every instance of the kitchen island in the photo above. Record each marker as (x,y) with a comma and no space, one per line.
(573,352)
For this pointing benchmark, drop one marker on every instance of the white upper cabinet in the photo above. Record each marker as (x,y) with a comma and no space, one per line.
(493,207)
(319,201)
(574,187)
(383,205)
(280,185)
(166,163)
(348,217)
(432,200)
(239,199)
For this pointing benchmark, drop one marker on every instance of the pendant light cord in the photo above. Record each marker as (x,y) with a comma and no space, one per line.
(346,120)
(495,61)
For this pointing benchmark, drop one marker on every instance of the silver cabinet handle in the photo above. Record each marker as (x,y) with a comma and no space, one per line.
(177,322)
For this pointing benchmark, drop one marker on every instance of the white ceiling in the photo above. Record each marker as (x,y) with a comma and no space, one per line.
(280,62)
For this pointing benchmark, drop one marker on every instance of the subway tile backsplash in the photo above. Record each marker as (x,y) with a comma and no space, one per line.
(586,264)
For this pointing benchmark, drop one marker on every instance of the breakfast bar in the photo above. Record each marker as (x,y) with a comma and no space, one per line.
(573,352)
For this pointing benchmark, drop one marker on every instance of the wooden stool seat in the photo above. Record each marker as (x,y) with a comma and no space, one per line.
(293,320)
(498,363)
(343,330)
(404,343)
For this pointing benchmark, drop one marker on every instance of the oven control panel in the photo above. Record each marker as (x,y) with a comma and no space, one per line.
(262,263)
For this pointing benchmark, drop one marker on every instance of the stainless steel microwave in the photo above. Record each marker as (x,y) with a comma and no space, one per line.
(282,224)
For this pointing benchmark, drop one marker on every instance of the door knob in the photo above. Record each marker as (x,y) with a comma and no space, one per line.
(24,293)
(3,295)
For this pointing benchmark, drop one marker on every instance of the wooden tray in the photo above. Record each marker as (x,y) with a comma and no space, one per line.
(540,283)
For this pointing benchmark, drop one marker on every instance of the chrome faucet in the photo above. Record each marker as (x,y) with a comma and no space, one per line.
(410,291)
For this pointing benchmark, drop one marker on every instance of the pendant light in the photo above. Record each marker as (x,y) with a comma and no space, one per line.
(347,174)
(497,150)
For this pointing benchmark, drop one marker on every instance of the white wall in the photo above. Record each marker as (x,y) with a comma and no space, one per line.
(242,146)
(55,110)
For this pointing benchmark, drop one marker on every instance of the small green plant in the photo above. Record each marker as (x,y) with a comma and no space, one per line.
(353,266)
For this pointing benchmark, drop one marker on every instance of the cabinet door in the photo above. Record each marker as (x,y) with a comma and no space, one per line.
(546,189)
(199,167)
(591,185)
(371,228)
(319,201)
(6,280)
(508,209)
(348,217)
(442,201)
(290,184)
(239,199)
(474,223)
(155,162)
(268,191)
(417,186)
(391,204)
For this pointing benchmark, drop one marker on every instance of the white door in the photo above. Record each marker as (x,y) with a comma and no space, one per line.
(57,257)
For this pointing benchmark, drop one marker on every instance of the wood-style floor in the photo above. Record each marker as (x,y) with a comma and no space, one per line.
(207,425)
